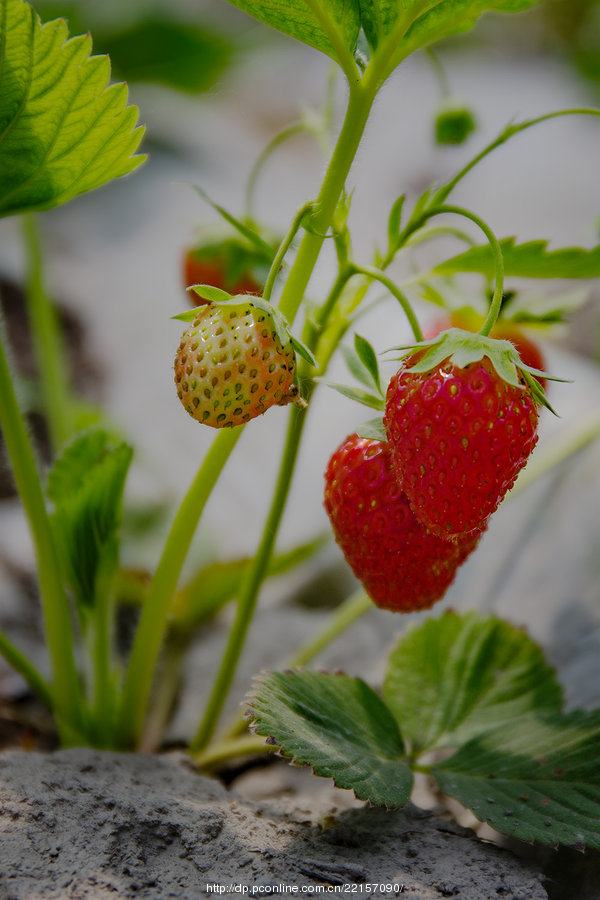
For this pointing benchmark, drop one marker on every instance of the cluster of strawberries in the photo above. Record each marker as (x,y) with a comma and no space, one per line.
(407,512)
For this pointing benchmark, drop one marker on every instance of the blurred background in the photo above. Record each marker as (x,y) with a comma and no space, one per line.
(213,87)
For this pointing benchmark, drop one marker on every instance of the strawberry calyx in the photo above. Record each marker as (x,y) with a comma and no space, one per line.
(464,347)
(218,297)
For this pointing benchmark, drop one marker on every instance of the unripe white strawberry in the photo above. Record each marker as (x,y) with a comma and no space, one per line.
(234,362)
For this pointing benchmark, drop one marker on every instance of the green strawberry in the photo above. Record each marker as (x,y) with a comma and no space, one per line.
(234,362)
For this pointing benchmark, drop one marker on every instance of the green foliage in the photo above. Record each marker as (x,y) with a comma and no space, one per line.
(529,260)
(466,683)
(63,130)
(216,584)
(147,46)
(327,25)
(458,676)
(339,727)
(86,487)
(536,778)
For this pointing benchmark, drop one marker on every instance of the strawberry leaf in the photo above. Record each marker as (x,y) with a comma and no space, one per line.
(63,130)
(86,487)
(459,675)
(434,19)
(536,778)
(326,25)
(337,725)
(529,260)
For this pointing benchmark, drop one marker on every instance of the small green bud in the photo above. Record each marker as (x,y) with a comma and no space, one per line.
(453,124)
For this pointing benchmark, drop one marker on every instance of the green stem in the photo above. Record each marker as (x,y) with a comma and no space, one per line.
(49,351)
(283,249)
(496,303)
(275,142)
(504,136)
(355,606)
(26,670)
(153,620)
(579,436)
(378,275)
(224,750)
(357,114)
(55,607)
(251,585)
(103,701)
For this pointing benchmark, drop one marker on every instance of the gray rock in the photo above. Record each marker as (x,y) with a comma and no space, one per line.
(88,824)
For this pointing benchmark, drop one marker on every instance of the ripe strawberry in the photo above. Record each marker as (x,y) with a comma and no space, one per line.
(402,565)
(459,435)
(232,364)
(231,264)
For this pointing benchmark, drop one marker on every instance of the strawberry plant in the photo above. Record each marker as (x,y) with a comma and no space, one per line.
(468,700)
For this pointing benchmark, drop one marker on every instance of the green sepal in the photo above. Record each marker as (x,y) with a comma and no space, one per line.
(373,430)
(464,347)
(210,293)
(368,358)
(395,220)
(370,400)
(240,226)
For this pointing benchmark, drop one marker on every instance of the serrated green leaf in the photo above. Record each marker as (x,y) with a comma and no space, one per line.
(368,358)
(537,778)
(529,260)
(378,17)
(323,24)
(63,130)
(435,19)
(370,400)
(86,487)
(373,430)
(338,726)
(457,676)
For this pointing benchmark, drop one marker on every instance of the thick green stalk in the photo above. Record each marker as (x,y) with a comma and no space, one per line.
(49,351)
(21,664)
(251,585)
(153,620)
(67,703)
(357,114)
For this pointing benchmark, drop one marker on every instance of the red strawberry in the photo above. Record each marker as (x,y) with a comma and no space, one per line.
(458,436)
(232,364)
(402,566)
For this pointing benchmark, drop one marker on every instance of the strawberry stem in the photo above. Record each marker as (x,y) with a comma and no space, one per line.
(153,620)
(67,701)
(53,377)
(380,276)
(284,247)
